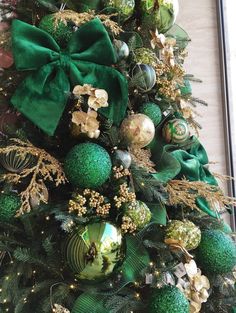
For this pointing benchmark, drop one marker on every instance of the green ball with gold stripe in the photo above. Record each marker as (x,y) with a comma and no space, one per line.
(94,251)
(176,131)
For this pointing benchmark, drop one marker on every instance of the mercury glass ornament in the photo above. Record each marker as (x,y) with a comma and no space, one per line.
(121,157)
(39,196)
(15,163)
(122,49)
(94,251)
(159,14)
(144,76)
(137,130)
(176,131)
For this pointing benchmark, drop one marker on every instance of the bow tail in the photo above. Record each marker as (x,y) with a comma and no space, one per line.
(42,97)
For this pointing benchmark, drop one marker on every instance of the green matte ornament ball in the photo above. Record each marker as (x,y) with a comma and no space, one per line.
(60,31)
(87,165)
(153,111)
(125,7)
(9,204)
(160,15)
(216,253)
(186,89)
(168,299)
(176,131)
(93,252)
(139,213)
(184,231)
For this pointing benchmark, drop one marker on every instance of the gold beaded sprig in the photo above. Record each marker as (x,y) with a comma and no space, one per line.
(120,172)
(125,196)
(128,225)
(89,199)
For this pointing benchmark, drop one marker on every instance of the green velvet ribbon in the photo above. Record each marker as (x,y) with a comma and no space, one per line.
(42,96)
(192,164)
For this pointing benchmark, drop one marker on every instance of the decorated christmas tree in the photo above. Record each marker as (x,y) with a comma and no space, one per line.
(107,201)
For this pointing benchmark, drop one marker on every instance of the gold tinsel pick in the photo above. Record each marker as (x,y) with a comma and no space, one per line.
(184,192)
(45,168)
(81,18)
(142,157)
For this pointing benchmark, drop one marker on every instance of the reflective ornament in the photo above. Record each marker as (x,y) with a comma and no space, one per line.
(123,158)
(216,253)
(87,165)
(60,31)
(137,130)
(176,131)
(153,111)
(121,48)
(9,204)
(186,232)
(144,76)
(94,251)
(145,56)
(168,299)
(15,163)
(125,7)
(139,213)
(186,89)
(159,14)
(41,196)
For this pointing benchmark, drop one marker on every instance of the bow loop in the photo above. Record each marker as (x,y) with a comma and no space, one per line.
(42,96)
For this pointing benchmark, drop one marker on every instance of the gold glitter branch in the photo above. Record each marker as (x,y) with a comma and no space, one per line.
(184,192)
(81,18)
(45,167)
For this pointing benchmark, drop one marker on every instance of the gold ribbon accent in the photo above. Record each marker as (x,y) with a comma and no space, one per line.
(176,245)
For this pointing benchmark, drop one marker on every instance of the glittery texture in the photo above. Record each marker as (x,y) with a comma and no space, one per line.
(186,232)
(140,214)
(216,253)
(88,165)
(125,7)
(9,204)
(153,111)
(168,299)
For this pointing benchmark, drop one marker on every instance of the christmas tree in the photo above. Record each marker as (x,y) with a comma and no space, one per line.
(107,201)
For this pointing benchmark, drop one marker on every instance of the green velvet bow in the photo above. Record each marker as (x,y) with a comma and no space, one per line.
(42,96)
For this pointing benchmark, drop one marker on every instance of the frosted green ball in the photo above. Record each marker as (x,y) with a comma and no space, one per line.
(216,253)
(61,32)
(87,165)
(168,299)
(9,204)
(153,111)
(186,232)
(139,213)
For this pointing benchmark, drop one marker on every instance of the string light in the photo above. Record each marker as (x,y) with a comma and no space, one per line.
(18,274)
(151,264)
(7,278)
(72,286)
(47,218)
(5,301)
(137,295)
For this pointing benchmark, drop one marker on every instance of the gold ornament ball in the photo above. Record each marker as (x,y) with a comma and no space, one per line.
(137,130)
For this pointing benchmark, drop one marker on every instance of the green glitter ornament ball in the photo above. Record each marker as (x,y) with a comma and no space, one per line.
(186,232)
(60,31)
(87,165)
(168,299)
(139,213)
(94,251)
(153,111)
(9,204)
(145,56)
(161,16)
(216,253)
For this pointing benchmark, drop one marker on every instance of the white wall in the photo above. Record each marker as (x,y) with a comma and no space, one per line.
(199,19)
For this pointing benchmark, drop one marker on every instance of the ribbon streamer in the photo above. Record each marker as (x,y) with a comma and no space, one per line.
(42,96)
